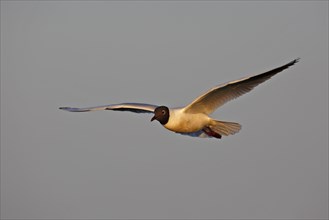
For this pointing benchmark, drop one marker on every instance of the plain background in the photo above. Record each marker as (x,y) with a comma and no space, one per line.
(56,164)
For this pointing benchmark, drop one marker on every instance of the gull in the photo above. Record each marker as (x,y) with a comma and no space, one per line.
(194,119)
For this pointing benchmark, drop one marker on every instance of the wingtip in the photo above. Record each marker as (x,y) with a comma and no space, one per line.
(295,60)
(69,109)
(64,108)
(291,63)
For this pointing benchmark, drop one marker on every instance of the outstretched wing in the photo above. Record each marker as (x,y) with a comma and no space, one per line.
(132,107)
(218,96)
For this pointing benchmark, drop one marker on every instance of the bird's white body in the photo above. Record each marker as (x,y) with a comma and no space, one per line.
(182,122)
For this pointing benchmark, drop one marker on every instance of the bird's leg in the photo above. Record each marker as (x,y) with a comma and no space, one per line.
(211,133)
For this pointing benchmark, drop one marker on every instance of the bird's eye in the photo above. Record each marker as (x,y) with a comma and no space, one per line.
(163,112)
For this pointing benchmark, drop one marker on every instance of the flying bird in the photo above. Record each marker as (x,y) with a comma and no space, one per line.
(194,119)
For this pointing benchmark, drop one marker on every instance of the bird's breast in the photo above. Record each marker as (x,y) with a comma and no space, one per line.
(182,122)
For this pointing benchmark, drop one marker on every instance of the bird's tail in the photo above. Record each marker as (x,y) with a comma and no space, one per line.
(224,127)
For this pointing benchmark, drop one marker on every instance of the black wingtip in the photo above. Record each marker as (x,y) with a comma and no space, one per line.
(294,61)
(291,63)
(69,109)
(65,108)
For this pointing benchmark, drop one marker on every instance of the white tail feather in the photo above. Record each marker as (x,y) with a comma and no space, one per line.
(224,127)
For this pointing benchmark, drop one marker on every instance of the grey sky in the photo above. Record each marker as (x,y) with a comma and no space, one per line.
(56,164)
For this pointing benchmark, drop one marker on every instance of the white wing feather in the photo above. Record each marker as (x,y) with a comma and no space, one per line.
(219,95)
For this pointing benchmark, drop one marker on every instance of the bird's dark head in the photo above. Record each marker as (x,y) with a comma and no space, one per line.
(161,114)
